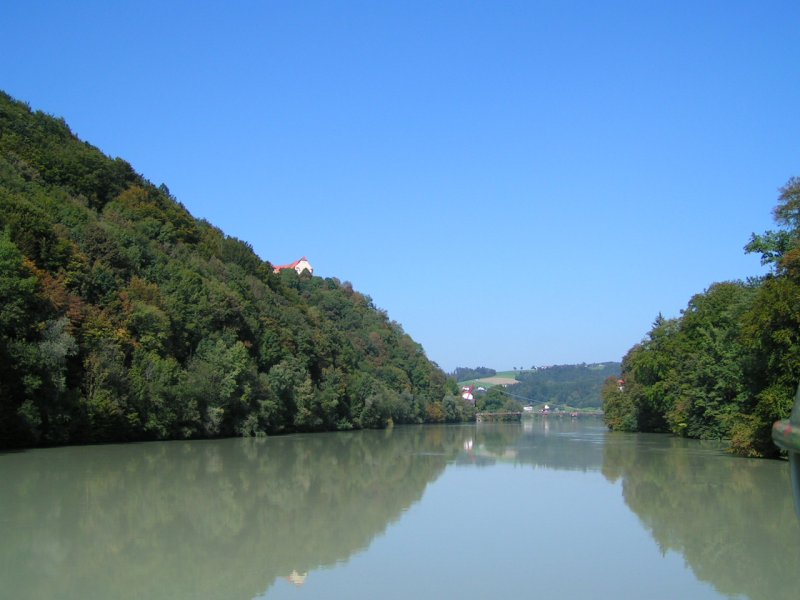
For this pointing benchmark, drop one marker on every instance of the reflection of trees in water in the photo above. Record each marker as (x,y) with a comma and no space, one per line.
(732,519)
(225,519)
(215,519)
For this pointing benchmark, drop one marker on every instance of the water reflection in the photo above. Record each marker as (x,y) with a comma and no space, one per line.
(216,519)
(564,444)
(731,518)
(230,518)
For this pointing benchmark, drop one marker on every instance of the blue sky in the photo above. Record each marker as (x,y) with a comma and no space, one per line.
(516,183)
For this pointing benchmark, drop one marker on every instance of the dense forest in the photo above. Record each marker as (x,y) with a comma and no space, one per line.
(729,365)
(122,317)
(467,373)
(578,386)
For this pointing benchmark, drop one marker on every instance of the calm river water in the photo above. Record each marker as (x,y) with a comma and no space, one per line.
(552,508)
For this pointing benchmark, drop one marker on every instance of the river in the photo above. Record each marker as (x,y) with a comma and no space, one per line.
(549,508)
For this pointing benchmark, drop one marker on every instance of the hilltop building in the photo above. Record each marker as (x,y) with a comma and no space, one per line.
(298,265)
(297,578)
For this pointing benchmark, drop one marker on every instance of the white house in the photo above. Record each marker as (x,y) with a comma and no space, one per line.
(298,265)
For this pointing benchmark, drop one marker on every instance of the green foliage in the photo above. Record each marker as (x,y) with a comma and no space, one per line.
(467,374)
(496,400)
(565,385)
(620,408)
(780,248)
(20,421)
(122,317)
(730,365)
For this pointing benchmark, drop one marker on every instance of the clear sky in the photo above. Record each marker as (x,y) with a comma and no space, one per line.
(516,183)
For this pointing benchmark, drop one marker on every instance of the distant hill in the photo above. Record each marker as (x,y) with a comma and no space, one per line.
(122,317)
(578,386)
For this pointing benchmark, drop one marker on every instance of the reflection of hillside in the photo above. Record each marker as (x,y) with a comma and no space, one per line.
(216,519)
(709,508)
(562,444)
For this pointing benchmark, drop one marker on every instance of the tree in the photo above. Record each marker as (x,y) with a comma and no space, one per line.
(780,248)
(494,400)
(18,355)
(729,366)
(122,317)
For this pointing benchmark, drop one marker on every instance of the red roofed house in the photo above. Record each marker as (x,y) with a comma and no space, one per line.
(298,265)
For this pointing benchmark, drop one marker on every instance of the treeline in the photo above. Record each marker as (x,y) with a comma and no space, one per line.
(729,366)
(122,317)
(578,386)
(465,373)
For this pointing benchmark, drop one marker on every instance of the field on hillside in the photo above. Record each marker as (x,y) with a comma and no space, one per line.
(497,380)
(501,378)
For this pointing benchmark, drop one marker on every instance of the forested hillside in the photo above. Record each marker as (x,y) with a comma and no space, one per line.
(578,386)
(122,317)
(729,366)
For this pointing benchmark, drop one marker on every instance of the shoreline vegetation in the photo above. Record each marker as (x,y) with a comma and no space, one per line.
(728,367)
(124,318)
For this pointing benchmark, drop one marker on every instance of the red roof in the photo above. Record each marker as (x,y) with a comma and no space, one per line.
(290,266)
(277,268)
